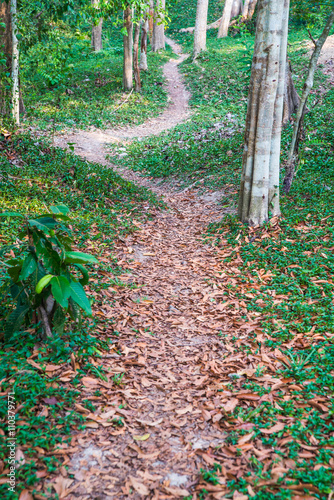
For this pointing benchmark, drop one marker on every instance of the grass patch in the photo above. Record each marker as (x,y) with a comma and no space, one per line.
(104,207)
(66,85)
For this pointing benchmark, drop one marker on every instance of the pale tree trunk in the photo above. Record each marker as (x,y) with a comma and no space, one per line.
(158,38)
(225,20)
(128,45)
(136,58)
(15,65)
(200,26)
(291,97)
(6,42)
(96,31)
(236,8)
(259,189)
(143,45)
(293,152)
(251,8)
(246,9)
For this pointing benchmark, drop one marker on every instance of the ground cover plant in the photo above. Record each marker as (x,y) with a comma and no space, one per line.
(66,85)
(46,376)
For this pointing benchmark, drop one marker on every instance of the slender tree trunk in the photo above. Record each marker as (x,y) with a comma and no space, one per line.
(15,65)
(136,58)
(200,26)
(143,45)
(236,8)
(246,9)
(96,31)
(293,153)
(151,20)
(259,190)
(128,45)
(251,8)
(291,97)
(225,20)
(6,42)
(158,38)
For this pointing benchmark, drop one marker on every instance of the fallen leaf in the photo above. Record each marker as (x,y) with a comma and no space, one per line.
(141,438)
(230,405)
(183,411)
(26,495)
(275,428)
(139,487)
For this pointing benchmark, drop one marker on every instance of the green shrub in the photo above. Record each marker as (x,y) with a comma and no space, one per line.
(45,277)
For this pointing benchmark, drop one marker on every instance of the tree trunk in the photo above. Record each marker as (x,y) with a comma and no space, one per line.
(96,31)
(151,20)
(236,8)
(143,45)
(259,189)
(291,97)
(136,58)
(128,45)
(293,152)
(251,8)
(158,38)
(15,65)
(225,20)
(200,26)
(246,9)
(6,42)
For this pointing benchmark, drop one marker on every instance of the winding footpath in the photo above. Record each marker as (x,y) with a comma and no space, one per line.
(169,347)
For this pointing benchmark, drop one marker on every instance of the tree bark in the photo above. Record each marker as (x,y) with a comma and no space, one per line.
(96,31)
(236,8)
(246,9)
(225,20)
(6,42)
(136,68)
(293,152)
(128,45)
(158,38)
(143,44)
(15,65)
(259,189)
(291,97)
(200,26)
(150,20)
(251,9)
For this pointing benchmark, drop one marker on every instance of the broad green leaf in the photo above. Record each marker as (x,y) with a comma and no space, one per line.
(84,280)
(80,258)
(15,320)
(59,320)
(44,224)
(79,296)
(28,267)
(59,209)
(61,290)
(43,282)
(11,214)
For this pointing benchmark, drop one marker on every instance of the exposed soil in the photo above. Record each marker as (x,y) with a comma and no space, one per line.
(169,346)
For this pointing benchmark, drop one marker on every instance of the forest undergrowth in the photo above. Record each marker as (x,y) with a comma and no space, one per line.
(276,379)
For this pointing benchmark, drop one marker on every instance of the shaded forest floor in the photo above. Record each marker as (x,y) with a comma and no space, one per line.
(214,371)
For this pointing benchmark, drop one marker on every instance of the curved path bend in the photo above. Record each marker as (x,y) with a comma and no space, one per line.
(90,144)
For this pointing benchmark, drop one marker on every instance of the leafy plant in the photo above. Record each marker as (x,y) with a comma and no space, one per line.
(45,277)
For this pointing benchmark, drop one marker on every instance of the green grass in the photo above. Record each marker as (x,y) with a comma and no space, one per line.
(103,207)
(66,85)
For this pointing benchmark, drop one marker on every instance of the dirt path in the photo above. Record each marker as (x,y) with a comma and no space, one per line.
(91,143)
(169,351)
(168,346)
